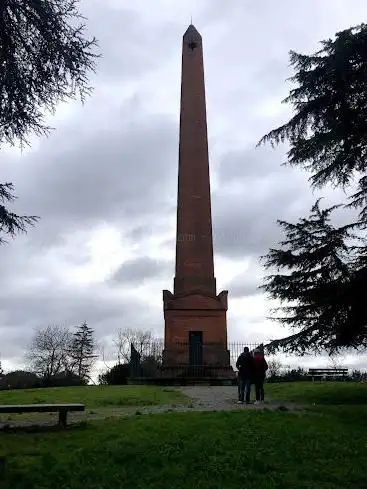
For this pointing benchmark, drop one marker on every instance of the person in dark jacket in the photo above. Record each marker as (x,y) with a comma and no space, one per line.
(245,366)
(260,367)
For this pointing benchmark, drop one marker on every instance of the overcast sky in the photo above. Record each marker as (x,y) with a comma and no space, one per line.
(104,182)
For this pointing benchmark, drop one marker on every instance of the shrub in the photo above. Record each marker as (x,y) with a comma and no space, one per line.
(63,379)
(20,379)
(117,375)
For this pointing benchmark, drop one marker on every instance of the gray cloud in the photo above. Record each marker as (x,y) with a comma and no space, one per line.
(49,303)
(131,56)
(247,283)
(138,270)
(243,287)
(254,192)
(23,312)
(100,174)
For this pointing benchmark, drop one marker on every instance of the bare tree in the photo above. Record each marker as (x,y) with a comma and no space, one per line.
(48,352)
(102,355)
(274,368)
(142,341)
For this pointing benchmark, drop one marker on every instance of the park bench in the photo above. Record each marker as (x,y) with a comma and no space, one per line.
(62,409)
(324,373)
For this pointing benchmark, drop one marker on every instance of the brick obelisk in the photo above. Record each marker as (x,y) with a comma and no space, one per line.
(195,316)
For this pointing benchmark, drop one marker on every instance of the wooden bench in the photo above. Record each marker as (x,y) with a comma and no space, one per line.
(327,373)
(62,409)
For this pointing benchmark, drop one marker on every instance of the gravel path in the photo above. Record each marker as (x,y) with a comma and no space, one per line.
(203,398)
(218,398)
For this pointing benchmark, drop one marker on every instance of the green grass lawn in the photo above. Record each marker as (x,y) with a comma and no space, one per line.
(96,396)
(345,401)
(320,393)
(249,449)
(100,401)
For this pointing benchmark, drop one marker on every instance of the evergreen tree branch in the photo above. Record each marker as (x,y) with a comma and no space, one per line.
(11,223)
(320,282)
(327,134)
(45,59)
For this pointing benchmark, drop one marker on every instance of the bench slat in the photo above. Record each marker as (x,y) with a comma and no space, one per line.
(38,408)
(328,371)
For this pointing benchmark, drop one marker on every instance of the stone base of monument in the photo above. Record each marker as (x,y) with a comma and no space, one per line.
(181,381)
(198,372)
(184,364)
(213,363)
(186,375)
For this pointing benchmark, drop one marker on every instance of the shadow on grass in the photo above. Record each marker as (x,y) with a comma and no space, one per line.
(43,428)
(127,402)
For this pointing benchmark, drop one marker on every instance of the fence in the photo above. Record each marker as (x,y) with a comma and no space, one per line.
(154,360)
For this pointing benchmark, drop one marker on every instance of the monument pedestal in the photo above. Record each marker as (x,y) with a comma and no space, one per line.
(196,336)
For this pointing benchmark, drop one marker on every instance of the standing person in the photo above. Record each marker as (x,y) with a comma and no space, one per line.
(260,367)
(244,364)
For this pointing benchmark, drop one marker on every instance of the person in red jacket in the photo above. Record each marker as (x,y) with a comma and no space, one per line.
(260,367)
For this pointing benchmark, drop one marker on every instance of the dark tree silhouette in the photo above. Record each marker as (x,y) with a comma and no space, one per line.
(45,58)
(320,282)
(324,293)
(327,134)
(82,351)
